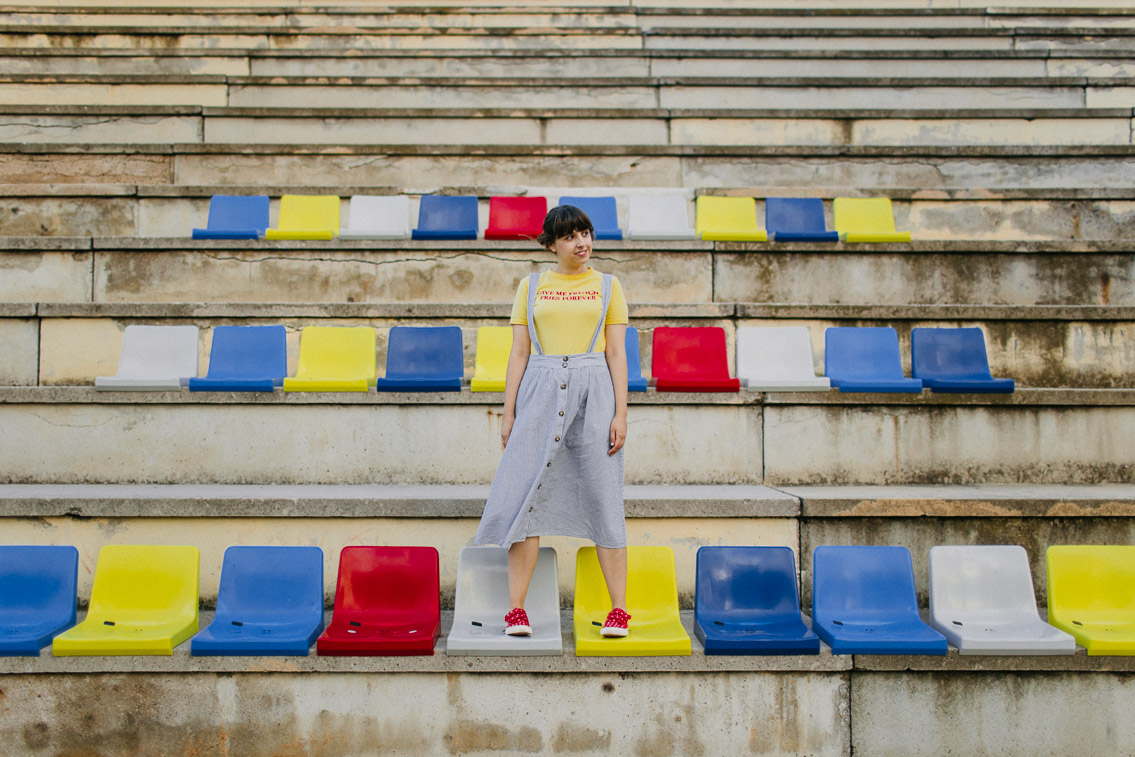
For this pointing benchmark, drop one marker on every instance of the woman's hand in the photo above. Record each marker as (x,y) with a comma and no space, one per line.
(506,428)
(618,434)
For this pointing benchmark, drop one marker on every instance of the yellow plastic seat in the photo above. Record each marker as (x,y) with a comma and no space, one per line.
(335,359)
(494,343)
(652,602)
(866,219)
(729,219)
(307,217)
(1091,595)
(143,602)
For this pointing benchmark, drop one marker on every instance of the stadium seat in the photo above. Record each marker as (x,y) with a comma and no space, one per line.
(516,217)
(446,217)
(635,381)
(870,219)
(245,359)
(482,602)
(662,216)
(154,359)
(270,602)
(729,219)
(494,343)
(603,213)
(652,602)
(423,359)
(864,602)
(235,217)
(691,359)
(866,360)
(777,359)
(1091,595)
(747,602)
(954,361)
(982,601)
(307,217)
(37,596)
(797,219)
(378,217)
(143,602)
(335,359)
(386,603)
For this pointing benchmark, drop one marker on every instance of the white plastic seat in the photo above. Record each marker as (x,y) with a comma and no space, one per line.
(777,359)
(982,601)
(378,217)
(154,359)
(659,216)
(482,602)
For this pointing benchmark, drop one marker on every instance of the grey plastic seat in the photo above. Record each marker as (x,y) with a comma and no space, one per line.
(778,359)
(154,359)
(482,602)
(659,216)
(377,217)
(982,601)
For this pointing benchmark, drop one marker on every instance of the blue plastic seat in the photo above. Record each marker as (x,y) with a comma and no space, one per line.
(235,217)
(270,602)
(37,596)
(747,602)
(864,602)
(954,361)
(446,217)
(866,360)
(423,359)
(245,359)
(603,213)
(797,219)
(635,381)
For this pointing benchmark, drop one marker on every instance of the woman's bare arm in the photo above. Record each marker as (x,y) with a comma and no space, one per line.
(616,353)
(517,364)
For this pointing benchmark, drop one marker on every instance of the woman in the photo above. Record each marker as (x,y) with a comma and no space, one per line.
(565,420)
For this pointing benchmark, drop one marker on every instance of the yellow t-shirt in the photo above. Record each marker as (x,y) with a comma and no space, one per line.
(567,310)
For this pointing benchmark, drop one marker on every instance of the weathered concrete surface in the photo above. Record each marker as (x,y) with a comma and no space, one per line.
(67,93)
(893,444)
(131,65)
(473,66)
(100,129)
(46,276)
(848,66)
(112,168)
(996,713)
(68,216)
(423,714)
(883,97)
(19,344)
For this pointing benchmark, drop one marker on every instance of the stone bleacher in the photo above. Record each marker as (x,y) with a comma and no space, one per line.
(1003,135)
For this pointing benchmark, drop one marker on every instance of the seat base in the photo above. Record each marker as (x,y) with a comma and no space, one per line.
(455,234)
(123,639)
(486,385)
(790,385)
(251,639)
(233,384)
(766,639)
(518,235)
(226,233)
(475,636)
(880,237)
(372,234)
(115,384)
(419,385)
(638,385)
(653,638)
(888,638)
(881,386)
(325,385)
(698,385)
(970,386)
(729,236)
(806,236)
(323,234)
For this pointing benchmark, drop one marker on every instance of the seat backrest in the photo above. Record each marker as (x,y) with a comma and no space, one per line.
(145,580)
(680,352)
(794,214)
(386,214)
(992,580)
(747,579)
(482,583)
(421,351)
(271,583)
(948,353)
(665,214)
(338,352)
(153,352)
(774,352)
(389,584)
(862,214)
(1095,582)
(520,214)
(726,214)
(868,352)
(248,352)
(38,583)
(447,213)
(634,355)
(862,581)
(239,213)
(652,587)
(493,346)
(309,212)
(602,211)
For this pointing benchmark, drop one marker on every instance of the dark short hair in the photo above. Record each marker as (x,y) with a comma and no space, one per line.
(562,221)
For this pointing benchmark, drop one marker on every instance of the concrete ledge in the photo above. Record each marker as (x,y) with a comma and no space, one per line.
(992,501)
(1022,397)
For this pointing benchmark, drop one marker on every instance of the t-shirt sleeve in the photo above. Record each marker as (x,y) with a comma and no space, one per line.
(616,308)
(520,305)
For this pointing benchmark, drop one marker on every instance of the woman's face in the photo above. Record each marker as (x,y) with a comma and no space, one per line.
(573,251)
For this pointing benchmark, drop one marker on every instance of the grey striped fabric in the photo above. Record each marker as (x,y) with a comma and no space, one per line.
(555,476)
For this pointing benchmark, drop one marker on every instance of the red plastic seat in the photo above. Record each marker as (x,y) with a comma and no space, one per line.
(386,603)
(691,360)
(516,217)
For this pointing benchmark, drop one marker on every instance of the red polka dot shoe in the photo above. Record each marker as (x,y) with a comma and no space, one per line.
(616,624)
(516,623)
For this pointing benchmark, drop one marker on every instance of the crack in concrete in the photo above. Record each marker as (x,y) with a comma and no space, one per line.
(49,422)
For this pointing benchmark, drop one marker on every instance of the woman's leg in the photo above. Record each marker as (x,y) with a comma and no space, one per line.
(521,564)
(613,563)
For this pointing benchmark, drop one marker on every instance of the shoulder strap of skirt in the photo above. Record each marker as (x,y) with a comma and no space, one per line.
(533,283)
(607,278)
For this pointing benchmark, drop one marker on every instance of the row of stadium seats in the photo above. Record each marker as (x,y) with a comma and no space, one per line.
(655,216)
(144,601)
(430,358)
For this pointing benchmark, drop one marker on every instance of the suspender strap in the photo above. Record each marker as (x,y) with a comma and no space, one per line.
(534,282)
(603,313)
